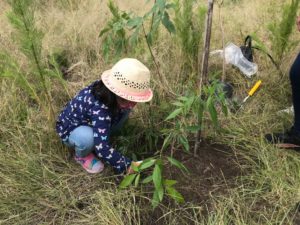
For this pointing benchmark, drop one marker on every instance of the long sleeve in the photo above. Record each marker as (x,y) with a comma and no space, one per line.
(101,123)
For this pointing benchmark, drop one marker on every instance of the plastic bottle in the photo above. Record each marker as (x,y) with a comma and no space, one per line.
(234,56)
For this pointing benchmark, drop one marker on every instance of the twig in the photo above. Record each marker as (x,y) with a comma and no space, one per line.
(163,79)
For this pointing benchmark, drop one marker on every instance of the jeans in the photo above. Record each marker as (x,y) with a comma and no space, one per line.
(295,83)
(82,137)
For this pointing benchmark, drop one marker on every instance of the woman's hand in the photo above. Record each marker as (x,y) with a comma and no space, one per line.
(298,22)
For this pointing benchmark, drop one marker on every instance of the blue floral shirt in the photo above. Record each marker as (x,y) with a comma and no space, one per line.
(85,110)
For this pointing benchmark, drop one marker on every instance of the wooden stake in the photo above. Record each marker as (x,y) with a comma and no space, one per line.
(204,65)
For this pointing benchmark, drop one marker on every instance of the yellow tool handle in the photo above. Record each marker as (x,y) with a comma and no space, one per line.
(255,87)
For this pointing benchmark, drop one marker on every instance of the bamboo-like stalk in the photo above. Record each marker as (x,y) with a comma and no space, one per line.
(37,63)
(204,66)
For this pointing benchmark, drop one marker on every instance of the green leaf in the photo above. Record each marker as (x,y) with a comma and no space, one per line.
(224,108)
(183,140)
(212,111)
(168,23)
(160,192)
(169,183)
(156,23)
(147,179)
(137,180)
(193,129)
(135,36)
(155,199)
(174,114)
(125,16)
(127,180)
(149,13)
(167,141)
(157,180)
(147,163)
(157,177)
(149,38)
(161,4)
(189,102)
(179,104)
(178,164)
(118,26)
(200,113)
(134,22)
(103,31)
(183,98)
(173,193)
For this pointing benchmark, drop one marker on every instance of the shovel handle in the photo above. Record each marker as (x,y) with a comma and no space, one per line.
(255,87)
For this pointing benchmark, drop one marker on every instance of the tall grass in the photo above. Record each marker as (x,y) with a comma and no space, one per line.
(190,22)
(282,29)
(40,184)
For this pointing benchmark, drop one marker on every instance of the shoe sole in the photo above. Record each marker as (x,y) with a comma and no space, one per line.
(91,171)
(287,145)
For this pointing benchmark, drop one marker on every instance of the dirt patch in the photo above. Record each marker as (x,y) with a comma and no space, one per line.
(212,171)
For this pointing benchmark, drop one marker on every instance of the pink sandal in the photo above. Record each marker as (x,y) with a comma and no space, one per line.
(90,163)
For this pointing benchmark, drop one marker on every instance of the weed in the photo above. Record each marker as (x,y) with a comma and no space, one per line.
(280,33)
(282,29)
(30,40)
(189,22)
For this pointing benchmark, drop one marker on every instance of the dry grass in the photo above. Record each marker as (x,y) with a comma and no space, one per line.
(39,184)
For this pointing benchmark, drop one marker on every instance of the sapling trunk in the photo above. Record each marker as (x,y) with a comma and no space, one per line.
(204,67)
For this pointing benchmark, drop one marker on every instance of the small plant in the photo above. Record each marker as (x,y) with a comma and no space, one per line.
(125,30)
(189,23)
(190,111)
(162,186)
(280,33)
(30,39)
(114,33)
(281,30)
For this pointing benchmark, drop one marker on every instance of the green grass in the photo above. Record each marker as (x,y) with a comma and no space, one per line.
(41,184)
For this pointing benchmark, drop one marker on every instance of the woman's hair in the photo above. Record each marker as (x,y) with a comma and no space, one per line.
(105,96)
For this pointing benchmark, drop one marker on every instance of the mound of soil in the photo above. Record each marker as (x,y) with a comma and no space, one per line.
(212,172)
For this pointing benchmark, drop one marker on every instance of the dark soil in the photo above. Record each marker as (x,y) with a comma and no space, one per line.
(212,173)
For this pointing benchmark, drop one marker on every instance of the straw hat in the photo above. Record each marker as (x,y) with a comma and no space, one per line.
(129,79)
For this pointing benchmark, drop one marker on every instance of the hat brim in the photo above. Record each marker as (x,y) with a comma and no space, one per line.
(130,96)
